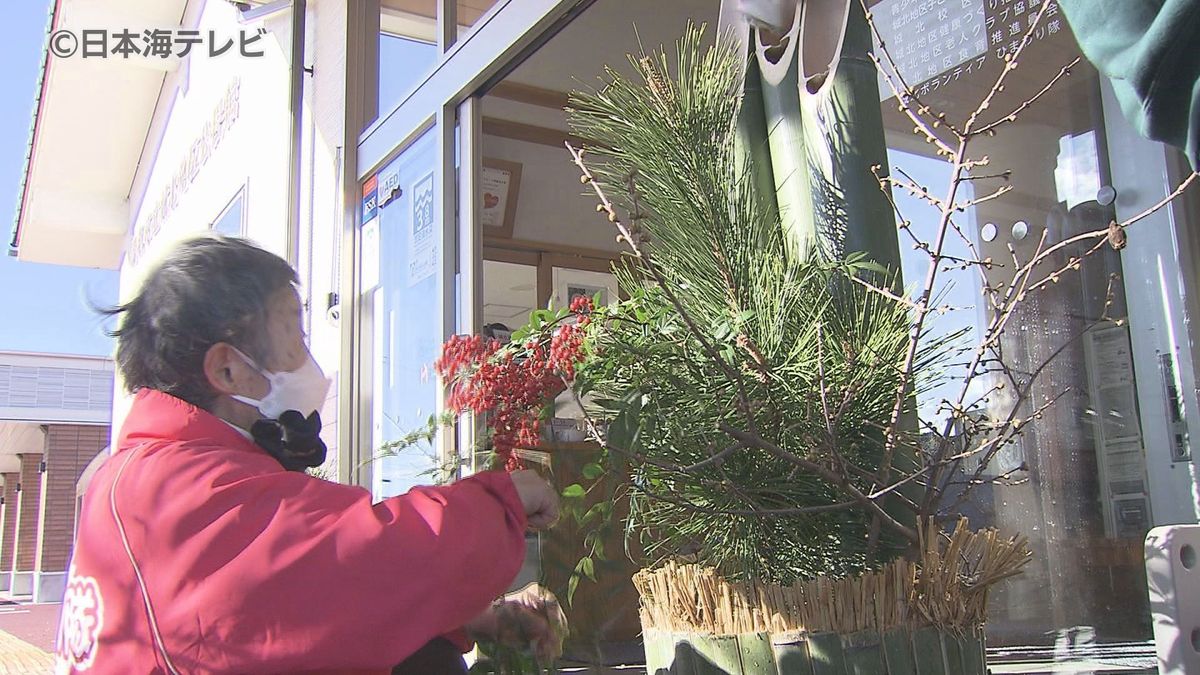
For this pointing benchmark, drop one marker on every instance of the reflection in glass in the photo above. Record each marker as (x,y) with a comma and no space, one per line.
(403,64)
(1078,487)
(401,265)
(509,295)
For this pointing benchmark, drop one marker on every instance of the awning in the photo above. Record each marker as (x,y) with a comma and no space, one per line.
(90,126)
(18,439)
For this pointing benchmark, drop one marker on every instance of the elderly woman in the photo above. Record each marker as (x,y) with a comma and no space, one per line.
(204,548)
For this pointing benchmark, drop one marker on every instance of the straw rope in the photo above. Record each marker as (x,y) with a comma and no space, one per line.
(948,589)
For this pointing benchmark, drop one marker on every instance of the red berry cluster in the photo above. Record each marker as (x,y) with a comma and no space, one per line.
(511,386)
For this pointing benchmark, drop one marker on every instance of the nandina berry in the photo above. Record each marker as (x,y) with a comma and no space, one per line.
(581,304)
(510,388)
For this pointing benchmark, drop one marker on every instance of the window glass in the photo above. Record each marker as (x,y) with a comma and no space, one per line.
(1081,484)
(403,64)
(408,43)
(401,264)
(509,296)
(230,221)
(418,18)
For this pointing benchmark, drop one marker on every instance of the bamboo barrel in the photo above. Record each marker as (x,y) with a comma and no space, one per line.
(927,651)
(909,617)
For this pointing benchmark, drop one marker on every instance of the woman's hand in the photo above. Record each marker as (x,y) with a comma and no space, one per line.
(538,497)
(528,619)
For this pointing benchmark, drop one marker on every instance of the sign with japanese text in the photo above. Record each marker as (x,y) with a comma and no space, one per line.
(370,193)
(936,42)
(422,245)
(222,118)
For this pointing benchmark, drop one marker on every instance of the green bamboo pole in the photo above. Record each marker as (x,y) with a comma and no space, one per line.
(789,159)
(844,135)
(752,142)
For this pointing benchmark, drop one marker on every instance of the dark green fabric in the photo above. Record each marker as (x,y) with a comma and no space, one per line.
(1151,51)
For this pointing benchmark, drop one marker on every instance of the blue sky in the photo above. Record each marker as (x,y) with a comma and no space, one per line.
(45,306)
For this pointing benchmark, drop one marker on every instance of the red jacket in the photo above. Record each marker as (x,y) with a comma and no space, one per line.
(252,569)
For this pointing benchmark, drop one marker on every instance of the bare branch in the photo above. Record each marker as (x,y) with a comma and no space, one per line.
(883,291)
(713,459)
(1010,64)
(999,192)
(904,93)
(1012,116)
(1163,202)
(1003,175)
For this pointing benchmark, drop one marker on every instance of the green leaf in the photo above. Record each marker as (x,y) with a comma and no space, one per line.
(592,514)
(587,567)
(592,471)
(570,511)
(572,584)
(573,491)
(625,425)
(873,266)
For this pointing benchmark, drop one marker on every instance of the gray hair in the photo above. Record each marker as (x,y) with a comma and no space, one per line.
(208,290)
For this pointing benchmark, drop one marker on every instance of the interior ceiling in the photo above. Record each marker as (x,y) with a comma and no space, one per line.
(509,292)
(469,11)
(605,34)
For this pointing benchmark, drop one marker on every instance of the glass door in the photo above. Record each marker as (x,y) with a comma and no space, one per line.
(1108,341)
(402,239)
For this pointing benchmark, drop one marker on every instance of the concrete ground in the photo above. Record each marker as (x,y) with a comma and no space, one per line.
(27,641)
(27,638)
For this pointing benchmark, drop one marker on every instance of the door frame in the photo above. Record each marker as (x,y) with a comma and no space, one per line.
(467,68)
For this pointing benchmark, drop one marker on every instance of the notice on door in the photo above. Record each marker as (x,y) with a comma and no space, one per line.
(422,244)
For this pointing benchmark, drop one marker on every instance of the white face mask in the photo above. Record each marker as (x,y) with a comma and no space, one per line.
(302,390)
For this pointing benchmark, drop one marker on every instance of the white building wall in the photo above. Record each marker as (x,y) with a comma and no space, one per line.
(250,151)
(49,388)
(322,203)
(232,113)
